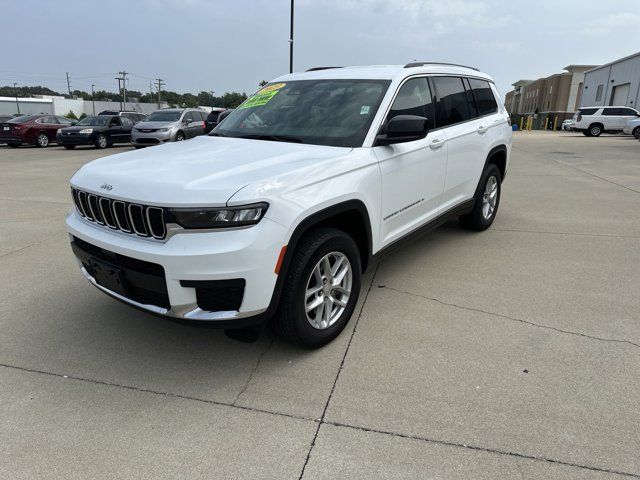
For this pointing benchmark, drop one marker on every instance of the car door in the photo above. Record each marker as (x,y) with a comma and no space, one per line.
(114,130)
(188,124)
(465,134)
(127,125)
(412,173)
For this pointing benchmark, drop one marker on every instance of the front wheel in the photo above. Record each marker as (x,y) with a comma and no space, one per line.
(321,289)
(102,142)
(486,202)
(179,137)
(69,147)
(42,140)
(636,133)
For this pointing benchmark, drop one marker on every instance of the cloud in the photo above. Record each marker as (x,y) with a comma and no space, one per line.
(612,23)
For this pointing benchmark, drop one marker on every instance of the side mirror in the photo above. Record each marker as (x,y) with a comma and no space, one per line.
(404,128)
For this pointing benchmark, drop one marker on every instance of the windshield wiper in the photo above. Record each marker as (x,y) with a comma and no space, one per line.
(275,138)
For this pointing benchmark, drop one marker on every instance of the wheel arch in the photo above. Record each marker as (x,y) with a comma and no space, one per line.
(498,157)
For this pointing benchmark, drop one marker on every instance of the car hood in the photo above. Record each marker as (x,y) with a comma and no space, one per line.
(145,124)
(202,171)
(77,128)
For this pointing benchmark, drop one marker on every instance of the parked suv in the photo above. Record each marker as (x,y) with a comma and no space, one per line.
(135,117)
(169,125)
(38,130)
(594,121)
(276,214)
(632,128)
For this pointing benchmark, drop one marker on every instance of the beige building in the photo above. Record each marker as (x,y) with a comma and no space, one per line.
(555,96)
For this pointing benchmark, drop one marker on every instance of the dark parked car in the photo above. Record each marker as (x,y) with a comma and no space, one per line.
(102,131)
(38,130)
(212,120)
(135,117)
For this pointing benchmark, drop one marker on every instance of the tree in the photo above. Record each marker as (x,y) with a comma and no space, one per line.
(82,115)
(71,115)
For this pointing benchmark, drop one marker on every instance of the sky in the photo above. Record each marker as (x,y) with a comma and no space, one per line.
(231,45)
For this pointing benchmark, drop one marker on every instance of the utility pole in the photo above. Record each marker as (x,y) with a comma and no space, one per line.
(93,98)
(150,88)
(291,41)
(68,84)
(160,82)
(213,93)
(15,87)
(119,89)
(124,87)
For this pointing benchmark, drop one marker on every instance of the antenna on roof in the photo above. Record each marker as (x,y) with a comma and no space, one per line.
(422,64)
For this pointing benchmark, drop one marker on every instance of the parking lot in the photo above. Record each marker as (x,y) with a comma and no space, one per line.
(512,353)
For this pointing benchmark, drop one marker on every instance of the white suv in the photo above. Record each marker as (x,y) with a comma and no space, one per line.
(276,214)
(594,121)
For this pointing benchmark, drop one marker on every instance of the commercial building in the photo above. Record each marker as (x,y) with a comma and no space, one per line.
(555,95)
(62,106)
(616,83)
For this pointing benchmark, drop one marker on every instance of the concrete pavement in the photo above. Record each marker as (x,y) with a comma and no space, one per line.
(512,353)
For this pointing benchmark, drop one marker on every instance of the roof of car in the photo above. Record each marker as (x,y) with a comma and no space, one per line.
(383,72)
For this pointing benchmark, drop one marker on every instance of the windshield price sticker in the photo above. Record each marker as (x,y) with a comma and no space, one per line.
(263,96)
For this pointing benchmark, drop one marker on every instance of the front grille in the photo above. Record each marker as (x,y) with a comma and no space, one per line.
(133,218)
(147,140)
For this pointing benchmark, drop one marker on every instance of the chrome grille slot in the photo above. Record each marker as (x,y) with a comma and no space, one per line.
(82,196)
(131,218)
(155,221)
(95,210)
(122,218)
(137,217)
(107,212)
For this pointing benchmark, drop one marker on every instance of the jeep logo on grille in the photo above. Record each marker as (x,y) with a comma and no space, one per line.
(106,186)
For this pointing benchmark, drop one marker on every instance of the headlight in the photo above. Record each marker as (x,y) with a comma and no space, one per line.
(58,131)
(86,131)
(223,217)
(163,129)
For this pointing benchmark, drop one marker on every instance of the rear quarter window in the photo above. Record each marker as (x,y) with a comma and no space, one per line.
(485,100)
(587,111)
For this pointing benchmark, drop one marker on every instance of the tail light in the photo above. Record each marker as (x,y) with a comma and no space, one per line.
(204,124)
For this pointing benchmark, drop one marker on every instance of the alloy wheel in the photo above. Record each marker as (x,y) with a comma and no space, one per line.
(42,140)
(328,290)
(490,197)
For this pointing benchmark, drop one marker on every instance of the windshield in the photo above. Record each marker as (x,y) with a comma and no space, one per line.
(22,119)
(164,117)
(96,121)
(321,112)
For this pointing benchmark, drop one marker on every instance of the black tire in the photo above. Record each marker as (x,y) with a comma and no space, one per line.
(596,130)
(586,133)
(102,141)
(69,147)
(42,140)
(290,322)
(180,137)
(636,133)
(476,219)
(13,145)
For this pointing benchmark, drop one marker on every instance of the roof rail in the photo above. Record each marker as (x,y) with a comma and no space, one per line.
(314,69)
(422,64)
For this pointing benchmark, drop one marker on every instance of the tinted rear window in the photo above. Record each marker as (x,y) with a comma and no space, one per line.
(485,100)
(23,119)
(452,106)
(587,111)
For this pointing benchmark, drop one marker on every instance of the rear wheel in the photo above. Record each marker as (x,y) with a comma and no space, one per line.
(102,142)
(595,130)
(179,137)
(636,133)
(42,140)
(321,289)
(486,202)
(13,145)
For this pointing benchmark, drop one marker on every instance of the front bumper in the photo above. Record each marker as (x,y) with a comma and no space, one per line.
(187,260)
(139,138)
(76,139)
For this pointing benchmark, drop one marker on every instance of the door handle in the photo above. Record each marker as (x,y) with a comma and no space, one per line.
(436,144)
(482,130)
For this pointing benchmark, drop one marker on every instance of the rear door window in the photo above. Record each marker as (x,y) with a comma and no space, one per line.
(485,100)
(126,121)
(587,111)
(452,105)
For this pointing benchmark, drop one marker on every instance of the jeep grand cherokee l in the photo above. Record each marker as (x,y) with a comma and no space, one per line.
(275,215)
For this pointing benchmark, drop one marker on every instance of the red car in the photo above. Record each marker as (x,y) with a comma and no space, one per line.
(38,130)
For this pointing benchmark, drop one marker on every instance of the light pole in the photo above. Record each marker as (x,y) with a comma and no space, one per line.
(15,86)
(93,99)
(291,41)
